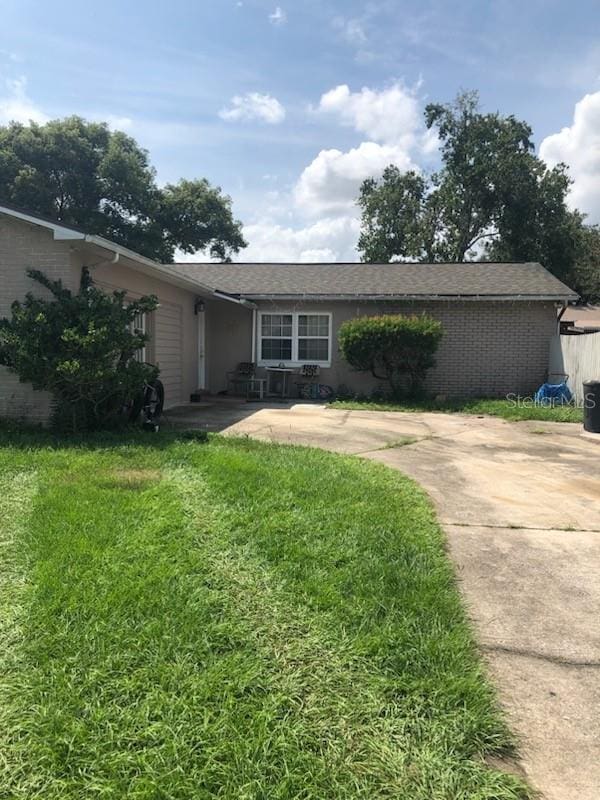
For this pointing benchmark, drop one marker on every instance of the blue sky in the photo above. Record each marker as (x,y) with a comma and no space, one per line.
(288,106)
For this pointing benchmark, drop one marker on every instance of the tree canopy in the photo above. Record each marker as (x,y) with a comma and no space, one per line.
(82,173)
(491,199)
(586,276)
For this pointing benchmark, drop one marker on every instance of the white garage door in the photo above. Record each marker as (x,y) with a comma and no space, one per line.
(167,350)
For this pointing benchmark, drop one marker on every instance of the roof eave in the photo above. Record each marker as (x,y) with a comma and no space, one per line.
(148,266)
(59,231)
(136,261)
(555,298)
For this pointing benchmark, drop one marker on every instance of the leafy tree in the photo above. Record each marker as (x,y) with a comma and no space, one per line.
(79,347)
(394,348)
(585,278)
(83,174)
(493,198)
(196,216)
(394,212)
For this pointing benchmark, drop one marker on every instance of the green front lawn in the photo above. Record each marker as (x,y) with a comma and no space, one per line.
(507,409)
(231,620)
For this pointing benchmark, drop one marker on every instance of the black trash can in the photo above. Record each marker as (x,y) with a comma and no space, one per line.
(591,406)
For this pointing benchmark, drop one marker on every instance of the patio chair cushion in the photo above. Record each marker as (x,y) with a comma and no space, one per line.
(244,370)
(309,370)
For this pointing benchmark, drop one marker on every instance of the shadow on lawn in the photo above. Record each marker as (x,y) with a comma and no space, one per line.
(25,436)
(176,424)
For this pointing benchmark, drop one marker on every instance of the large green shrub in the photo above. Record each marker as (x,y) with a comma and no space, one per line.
(79,347)
(392,347)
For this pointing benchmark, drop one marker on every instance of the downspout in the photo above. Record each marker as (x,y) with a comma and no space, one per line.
(116,257)
(560,316)
(199,312)
(253,359)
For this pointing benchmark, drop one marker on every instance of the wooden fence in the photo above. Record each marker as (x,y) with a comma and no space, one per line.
(579,357)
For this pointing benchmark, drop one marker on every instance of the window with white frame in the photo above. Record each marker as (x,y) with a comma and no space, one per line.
(276,337)
(138,325)
(294,338)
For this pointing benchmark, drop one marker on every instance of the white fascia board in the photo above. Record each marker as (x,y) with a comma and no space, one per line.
(148,266)
(395,298)
(57,229)
(143,264)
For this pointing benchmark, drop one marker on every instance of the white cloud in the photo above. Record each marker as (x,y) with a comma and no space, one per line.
(114,122)
(390,124)
(278,17)
(11,56)
(392,121)
(354,32)
(325,240)
(578,146)
(351,30)
(330,184)
(16,105)
(254,105)
(392,115)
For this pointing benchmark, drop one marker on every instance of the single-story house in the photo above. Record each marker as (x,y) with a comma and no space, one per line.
(498,318)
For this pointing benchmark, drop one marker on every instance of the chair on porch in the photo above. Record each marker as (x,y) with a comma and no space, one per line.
(308,385)
(243,381)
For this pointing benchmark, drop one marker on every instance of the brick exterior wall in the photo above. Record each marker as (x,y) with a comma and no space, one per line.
(492,348)
(24,246)
(489,348)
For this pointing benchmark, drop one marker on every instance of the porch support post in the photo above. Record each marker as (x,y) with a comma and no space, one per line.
(254,336)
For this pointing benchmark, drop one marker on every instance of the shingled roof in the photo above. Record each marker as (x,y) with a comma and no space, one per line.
(483,280)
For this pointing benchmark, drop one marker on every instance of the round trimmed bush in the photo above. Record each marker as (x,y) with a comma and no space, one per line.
(395,348)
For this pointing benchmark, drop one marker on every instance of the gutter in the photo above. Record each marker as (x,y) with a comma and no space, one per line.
(70,234)
(396,297)
(162,271)
(232,298)
(150,265)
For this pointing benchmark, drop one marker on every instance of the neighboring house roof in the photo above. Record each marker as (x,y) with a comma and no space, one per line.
(470,280)
(582,318)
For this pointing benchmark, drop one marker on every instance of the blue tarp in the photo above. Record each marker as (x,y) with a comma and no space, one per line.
(553,394)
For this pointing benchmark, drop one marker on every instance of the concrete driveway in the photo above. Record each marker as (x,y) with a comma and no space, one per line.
(520,504)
